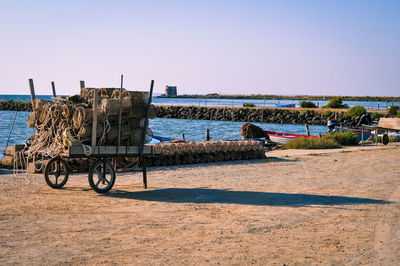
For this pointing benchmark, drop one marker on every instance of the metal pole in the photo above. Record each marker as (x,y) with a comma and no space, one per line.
(53,87)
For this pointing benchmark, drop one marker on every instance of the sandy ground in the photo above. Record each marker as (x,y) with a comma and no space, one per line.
(294,208)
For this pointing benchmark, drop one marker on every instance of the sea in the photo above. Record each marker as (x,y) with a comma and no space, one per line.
(14,130)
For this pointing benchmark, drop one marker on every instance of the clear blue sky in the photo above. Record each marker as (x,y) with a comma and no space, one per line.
(327,47)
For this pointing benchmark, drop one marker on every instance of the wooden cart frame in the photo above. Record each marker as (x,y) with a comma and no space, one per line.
(102,173)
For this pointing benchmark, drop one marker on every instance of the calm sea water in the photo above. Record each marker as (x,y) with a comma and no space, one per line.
(226,102)
(194,130)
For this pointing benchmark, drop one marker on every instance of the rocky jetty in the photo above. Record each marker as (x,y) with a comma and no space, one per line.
(264,115)
(236,114)
(13,105)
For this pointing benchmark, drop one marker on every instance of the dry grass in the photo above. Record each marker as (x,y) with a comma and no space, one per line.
(311,143)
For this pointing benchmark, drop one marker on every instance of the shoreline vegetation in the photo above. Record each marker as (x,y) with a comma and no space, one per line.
(285,97)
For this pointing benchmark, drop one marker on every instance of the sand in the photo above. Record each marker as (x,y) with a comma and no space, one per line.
(294,208)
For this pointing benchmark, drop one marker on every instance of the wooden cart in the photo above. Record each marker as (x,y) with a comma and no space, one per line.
(102,173)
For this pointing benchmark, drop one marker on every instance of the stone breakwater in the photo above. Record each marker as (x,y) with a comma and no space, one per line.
(11,106)
(265,115)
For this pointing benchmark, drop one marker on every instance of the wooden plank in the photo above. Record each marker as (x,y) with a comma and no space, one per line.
(100,151)
(390,123)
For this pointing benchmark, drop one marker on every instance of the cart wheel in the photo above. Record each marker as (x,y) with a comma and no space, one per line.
(385,139)
(101,176)
(56,173)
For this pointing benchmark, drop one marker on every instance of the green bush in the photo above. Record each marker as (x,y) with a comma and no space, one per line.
(357,110)
(343,138)
(393,110)
(376,116)
(311,143)
(249,105)
(336,102)
(307,104)
(328,113)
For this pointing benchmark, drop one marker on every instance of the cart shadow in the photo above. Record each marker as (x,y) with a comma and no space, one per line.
(223,163)
(206,195)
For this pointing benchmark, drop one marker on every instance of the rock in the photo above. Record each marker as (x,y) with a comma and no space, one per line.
(249,131)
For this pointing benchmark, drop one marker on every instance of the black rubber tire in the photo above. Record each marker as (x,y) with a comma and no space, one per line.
(99,165)
(62,169)
(385,139)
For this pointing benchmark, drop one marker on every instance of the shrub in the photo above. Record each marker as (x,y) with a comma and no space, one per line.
(357,110)
(307,104)
(343,138)
(393,110)
(376,116)
(336,102)
(328,113)
(249,105)
(311,143)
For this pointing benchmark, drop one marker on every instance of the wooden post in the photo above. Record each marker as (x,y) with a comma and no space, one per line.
(183,136)
(207,134)
(94,125)
(82,83)
(307,129)
(362,136)
(120,115)
(32,88)
(53,87)
(146,124)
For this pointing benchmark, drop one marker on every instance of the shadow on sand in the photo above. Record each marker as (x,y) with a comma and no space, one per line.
(206,195)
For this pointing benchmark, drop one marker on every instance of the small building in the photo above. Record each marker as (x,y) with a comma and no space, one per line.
(170,91)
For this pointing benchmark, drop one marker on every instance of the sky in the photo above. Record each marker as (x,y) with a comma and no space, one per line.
(341,47)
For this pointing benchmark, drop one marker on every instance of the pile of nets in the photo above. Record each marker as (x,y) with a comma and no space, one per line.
(68,121)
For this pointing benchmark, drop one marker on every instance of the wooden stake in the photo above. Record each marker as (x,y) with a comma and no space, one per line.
(307,130)
(53,87)
(120,114)
(94,124)
(207,134)
(32,88)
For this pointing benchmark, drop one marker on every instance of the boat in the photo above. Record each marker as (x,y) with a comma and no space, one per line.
(291,105)
(158,139)
(283,138)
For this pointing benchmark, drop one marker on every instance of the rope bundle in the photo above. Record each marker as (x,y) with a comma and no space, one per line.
(72,119)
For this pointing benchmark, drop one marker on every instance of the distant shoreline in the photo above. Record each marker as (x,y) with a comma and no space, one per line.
(283,97)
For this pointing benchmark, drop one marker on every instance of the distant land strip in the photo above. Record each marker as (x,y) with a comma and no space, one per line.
(284,97)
